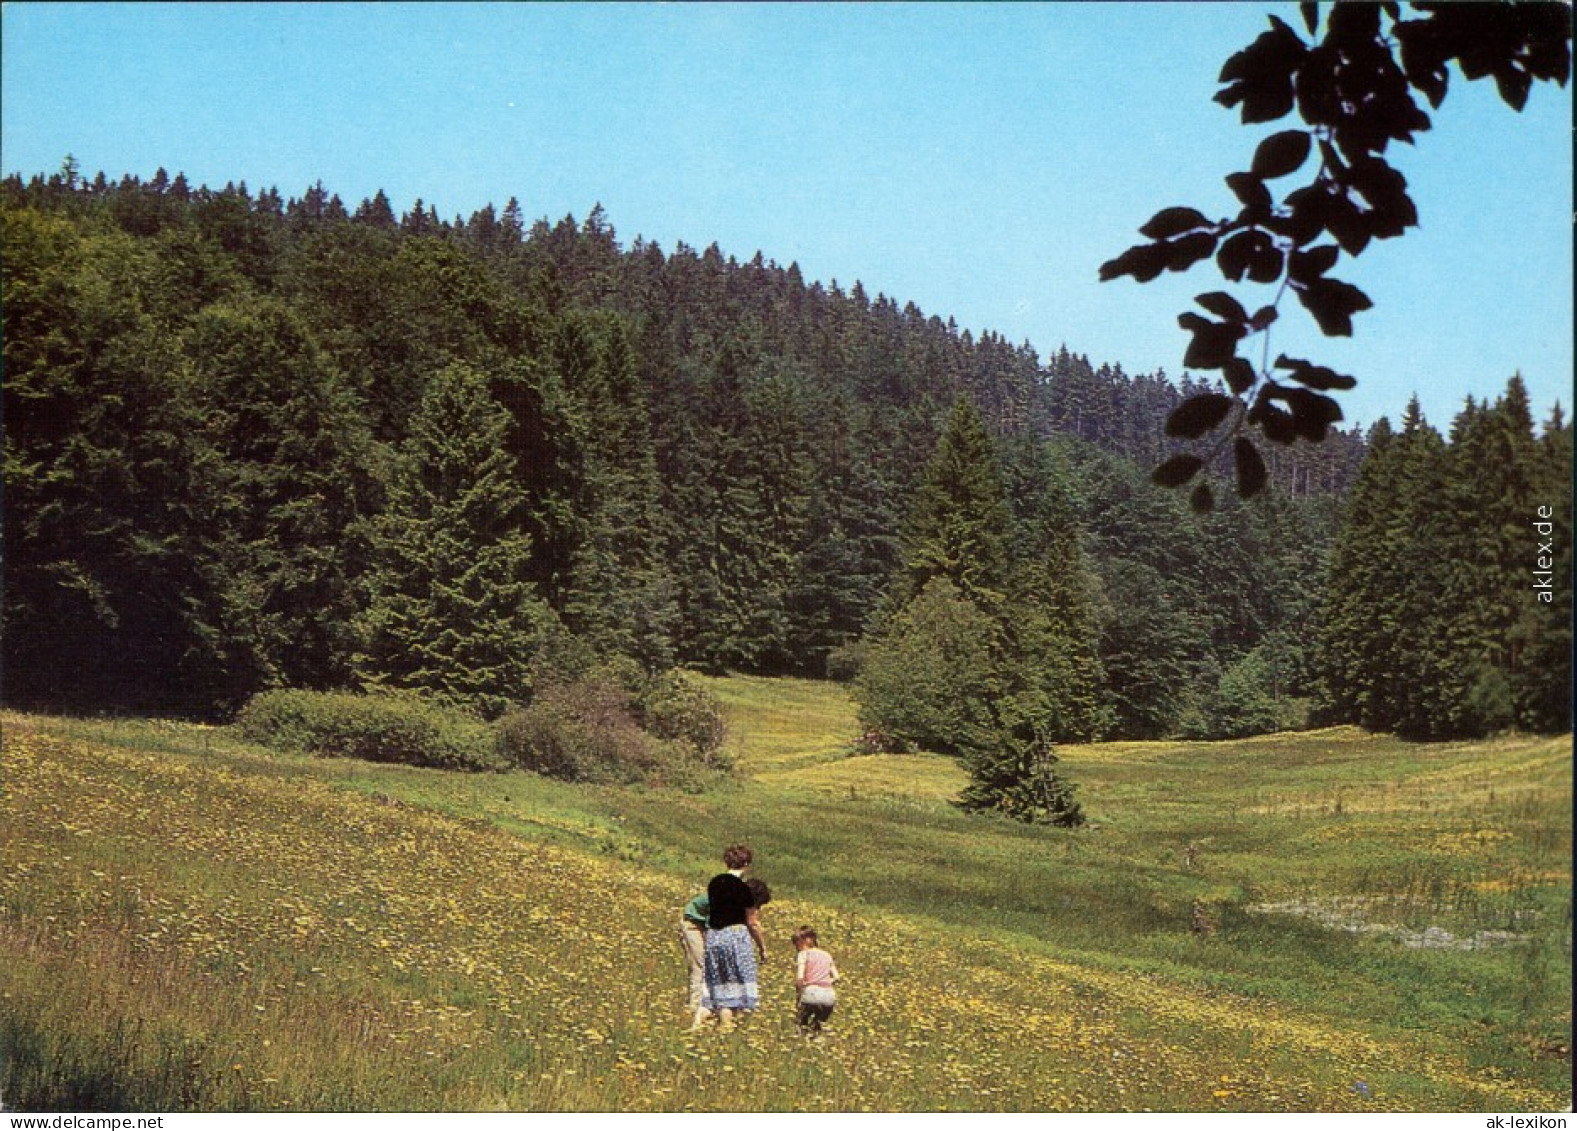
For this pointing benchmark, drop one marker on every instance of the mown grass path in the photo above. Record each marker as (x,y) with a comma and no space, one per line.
(185,922)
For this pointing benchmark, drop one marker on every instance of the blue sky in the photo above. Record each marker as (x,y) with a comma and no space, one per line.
(979,160)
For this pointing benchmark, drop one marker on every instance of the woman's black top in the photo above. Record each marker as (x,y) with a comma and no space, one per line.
(730,898)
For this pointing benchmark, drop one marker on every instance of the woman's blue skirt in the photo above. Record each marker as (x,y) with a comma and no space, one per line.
(730,970)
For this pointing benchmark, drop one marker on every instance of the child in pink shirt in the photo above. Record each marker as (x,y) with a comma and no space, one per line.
(814,973)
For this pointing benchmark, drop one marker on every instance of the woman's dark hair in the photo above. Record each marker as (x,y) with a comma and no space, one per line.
(737,856)
(760,891)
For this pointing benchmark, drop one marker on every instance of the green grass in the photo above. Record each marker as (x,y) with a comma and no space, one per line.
(780,725)
(428,940)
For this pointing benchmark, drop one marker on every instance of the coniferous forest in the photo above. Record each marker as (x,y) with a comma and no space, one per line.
(254,442)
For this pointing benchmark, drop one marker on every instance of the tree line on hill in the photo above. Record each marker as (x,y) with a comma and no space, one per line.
(254,442)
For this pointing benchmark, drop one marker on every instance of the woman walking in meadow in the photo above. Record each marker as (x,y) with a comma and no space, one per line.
(734,943)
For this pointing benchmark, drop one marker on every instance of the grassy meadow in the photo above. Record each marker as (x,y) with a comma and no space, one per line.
(1329,921)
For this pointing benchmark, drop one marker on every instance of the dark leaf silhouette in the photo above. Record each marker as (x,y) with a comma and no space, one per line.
(1181,254)
(1260,77)
(1311,210)
(1251,473)
(1198,415)
(1281,154)
(1202,500)
(1350,227)
(1223,305)
(1144,263)
(1265,265)
(1239,374)
(1333,303)
(1424,58)
(1251,253)
(1354,87)
(1177,470)
(1391,210)
(1251,191)
(1314,376)
(1171,222)
(1214,342)
(1514,86)
(1313,414)
(1309,265)
(1275,423)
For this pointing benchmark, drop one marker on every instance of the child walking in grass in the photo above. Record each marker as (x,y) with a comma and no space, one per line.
(692,936)
(814,973)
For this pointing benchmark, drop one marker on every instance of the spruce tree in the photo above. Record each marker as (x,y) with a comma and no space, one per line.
(960,521)
(1378,656)
(849,546)
(1431,627)
(620,596)
(1462,653)
(1543,632)
(1017,776)
(993,654)
(738,473)
(450,608)
(1488,614)
(1052,630)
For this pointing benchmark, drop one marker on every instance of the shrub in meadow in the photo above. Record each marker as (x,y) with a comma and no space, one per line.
(844,662)
(578,730)
(614,724)
(676,710)
(930,677)
(384,727)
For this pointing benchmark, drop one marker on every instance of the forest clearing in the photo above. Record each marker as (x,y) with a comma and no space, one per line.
(1323,921)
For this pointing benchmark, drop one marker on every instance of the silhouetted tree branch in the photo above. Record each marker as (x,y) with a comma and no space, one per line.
(1355,88)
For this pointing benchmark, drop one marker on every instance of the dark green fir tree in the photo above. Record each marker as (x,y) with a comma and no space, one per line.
(450,609)
(960,522)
